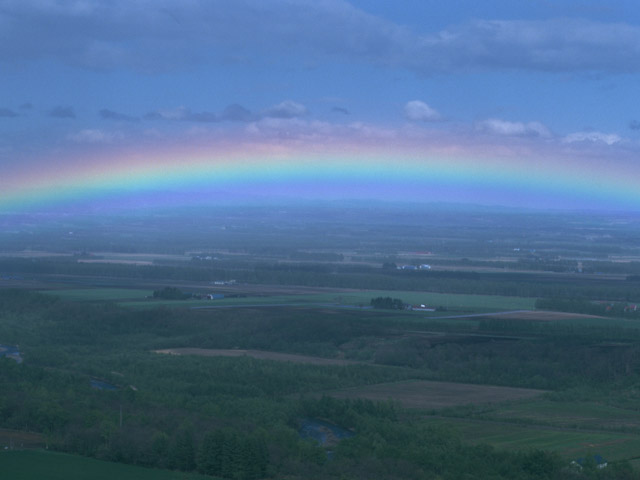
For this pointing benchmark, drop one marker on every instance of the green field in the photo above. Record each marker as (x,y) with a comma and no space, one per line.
(452,302)
(571,428)
(38,464)
(570,444)
(139,297)
(100,294)
(585,415)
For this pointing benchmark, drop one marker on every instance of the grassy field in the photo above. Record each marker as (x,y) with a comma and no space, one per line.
(455,302)
(571,444)
(39,464)
(433,395)
(586,415)
(100,294)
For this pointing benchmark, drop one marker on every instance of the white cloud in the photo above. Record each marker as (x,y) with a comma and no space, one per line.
(496,126)
(282,127)
(419,111)
(314,130)
(595,137)
(367,130)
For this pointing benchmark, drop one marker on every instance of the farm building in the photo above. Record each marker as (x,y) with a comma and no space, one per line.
(422,308)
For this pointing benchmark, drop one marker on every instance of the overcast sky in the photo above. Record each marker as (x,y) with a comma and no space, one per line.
(90,74)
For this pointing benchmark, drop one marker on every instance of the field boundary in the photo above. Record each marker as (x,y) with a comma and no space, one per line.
(260,355)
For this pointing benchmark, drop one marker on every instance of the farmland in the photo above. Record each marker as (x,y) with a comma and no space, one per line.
(100,294)
(114,372)
(576,414)
(435,395)
(259,354)
(349,298)
(570,444)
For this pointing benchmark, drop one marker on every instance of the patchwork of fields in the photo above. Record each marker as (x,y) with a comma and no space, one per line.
(347,298)
(505,417)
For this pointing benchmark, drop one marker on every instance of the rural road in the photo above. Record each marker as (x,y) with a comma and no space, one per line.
(471,315)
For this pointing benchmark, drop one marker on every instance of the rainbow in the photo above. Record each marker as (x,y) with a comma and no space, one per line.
(257,172)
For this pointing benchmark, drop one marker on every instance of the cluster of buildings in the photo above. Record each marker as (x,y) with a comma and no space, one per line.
(224,282)
(424,266)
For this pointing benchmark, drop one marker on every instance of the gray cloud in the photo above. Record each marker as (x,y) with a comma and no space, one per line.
(155,116)
(107,114)
(168,34)
(26,106)
(182,114)
(634,125)
(559,45)
(286,109)
(237,113)
(203,117)
(344,111)
(231,113)
(62,112)
(7,113)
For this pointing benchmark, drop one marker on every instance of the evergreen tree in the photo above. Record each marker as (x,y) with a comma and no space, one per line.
(210,453)
(183,456)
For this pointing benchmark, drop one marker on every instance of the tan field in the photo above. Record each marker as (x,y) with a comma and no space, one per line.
(260,354)
(429,395)
(542,315)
